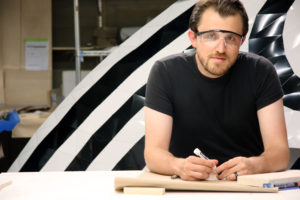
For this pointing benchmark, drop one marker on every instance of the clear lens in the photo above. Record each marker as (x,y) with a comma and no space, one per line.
(213,37)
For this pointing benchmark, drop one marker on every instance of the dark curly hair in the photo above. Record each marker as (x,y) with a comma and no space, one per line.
(223,7)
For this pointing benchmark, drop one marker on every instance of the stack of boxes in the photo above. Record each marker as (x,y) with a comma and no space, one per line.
(21,20)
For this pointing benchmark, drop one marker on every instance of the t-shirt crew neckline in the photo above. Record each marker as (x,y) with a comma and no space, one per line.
(212,80)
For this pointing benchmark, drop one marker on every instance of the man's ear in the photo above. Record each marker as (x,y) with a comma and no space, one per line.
(193,38)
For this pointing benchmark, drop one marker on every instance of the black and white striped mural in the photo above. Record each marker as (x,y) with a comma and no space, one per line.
(100,124)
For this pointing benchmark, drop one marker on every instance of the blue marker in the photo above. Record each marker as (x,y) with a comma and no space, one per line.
(282,186)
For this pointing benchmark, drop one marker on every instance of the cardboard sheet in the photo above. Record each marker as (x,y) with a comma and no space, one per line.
(288,176)
(148,179)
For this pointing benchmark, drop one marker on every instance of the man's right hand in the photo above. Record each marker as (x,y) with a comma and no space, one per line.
(195,168)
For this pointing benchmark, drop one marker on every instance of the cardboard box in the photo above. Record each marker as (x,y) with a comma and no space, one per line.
(11,34)
(36,23)
(20,20)
(1,35)
(27,87)
(1,58)
(29,123)
(26,19)
(1,87)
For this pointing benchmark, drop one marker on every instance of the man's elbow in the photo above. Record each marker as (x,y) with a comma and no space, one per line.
(148,161)
(286,158)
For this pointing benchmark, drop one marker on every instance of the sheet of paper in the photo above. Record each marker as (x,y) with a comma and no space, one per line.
(36,55)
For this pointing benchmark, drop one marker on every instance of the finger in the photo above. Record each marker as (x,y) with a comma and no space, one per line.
(234,177)
(227,165)
(227,172)
(188,178)
(230,174)
(202,161)
(191,175)
(201,168)
(231,177)
(199,175)
(192,167)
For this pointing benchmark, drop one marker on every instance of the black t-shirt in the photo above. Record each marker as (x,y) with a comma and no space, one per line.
(218,116)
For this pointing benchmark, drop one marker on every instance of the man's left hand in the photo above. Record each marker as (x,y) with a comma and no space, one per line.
(234,167)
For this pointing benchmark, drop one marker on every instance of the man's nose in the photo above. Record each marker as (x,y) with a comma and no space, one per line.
(221,45)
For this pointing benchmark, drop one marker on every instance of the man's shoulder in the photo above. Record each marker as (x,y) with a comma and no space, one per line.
(251,62)
(183,57)
(251,57)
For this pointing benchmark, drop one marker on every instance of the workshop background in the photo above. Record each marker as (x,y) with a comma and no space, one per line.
(78,94)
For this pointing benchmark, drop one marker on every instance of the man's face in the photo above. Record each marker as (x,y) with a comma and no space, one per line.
(214,59)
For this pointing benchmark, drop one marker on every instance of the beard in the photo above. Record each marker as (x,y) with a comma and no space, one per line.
(213,68)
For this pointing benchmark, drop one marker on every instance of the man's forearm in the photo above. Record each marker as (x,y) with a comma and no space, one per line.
(274,134)
(272,160)
(163,162)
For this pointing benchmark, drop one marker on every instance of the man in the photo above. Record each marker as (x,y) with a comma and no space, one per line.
(222,101)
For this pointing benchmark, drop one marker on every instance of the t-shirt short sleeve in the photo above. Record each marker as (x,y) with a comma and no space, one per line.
(158,90)
(268,86)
